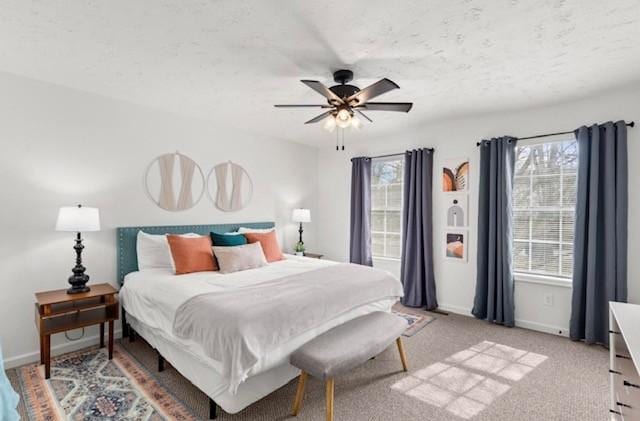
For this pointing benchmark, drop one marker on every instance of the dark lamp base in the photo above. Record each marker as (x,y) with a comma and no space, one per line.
(79,278)
(78,289)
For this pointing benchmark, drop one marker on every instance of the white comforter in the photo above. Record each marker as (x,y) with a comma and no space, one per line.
(154,296)
(242,325)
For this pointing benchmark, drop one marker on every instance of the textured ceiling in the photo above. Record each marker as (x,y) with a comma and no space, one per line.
(232,60)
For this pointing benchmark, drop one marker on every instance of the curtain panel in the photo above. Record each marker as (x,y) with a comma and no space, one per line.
(360,224)
(600,240)
(494,279)
(417,231)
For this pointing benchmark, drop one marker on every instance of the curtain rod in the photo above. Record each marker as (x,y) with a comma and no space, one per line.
(394,154)
(631,124)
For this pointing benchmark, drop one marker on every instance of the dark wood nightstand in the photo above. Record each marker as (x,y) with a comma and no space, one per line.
(313,255)
(57,311)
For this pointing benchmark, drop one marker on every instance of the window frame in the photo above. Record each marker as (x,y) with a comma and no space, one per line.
(385,232)
(558,280)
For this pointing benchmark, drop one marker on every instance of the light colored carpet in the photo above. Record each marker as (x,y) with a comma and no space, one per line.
(570,384)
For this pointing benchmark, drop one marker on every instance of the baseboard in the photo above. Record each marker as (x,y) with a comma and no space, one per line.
(525,324)
(70,346)
(542,327)
(455,309)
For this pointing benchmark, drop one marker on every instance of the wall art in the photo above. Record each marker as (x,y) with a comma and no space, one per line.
(456,244)
(174,182)
(456,211)
(455,175)
(229,186)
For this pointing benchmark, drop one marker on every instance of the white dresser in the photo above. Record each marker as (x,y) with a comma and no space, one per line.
(624,361)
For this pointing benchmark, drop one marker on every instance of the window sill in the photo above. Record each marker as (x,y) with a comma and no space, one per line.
(542,280)
(387,259)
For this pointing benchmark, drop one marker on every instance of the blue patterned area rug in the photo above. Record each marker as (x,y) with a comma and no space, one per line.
(417,321)
(86,385)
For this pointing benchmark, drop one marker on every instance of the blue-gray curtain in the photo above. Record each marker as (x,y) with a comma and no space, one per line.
(360,233)
(600,241)
(494,280)
(417,231)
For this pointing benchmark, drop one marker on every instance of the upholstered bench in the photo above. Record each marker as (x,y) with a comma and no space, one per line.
(345,347)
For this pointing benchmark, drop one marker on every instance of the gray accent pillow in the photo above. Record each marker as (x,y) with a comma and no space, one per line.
(237,258)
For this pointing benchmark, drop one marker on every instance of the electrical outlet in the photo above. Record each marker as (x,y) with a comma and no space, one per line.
(548,300)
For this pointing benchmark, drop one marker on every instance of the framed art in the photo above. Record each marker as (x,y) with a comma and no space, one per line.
(455,175)
(456,211)
(456,244)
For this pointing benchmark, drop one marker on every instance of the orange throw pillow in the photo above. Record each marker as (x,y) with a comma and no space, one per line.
(269,243)
(192,254)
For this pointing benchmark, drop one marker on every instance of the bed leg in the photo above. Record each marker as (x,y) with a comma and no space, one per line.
(212,409)
(160,362)
(125,326)
(132,334)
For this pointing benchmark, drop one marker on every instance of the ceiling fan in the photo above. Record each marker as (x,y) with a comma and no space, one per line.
(345,101)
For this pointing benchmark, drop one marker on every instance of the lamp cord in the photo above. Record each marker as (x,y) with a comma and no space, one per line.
(66,335)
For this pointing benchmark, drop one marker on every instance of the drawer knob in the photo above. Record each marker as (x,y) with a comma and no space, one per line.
(626,383)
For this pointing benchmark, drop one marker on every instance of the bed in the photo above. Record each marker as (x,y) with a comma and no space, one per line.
(153,299)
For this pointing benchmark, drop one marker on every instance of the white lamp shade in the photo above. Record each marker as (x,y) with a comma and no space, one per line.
(301,215)
(78,219)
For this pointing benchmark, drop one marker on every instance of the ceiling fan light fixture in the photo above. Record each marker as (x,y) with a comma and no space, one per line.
(330,124)
(356,123)
(343,119)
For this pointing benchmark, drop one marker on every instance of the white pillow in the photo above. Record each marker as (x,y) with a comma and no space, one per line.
(153,251)
(237,258)
(244,230)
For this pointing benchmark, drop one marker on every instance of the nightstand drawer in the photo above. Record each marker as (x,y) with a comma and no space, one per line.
(62,322)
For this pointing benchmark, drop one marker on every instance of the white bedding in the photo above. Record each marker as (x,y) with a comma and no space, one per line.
(154,296)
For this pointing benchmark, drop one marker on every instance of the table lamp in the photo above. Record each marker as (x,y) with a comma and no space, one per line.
(301,215)
(78,219)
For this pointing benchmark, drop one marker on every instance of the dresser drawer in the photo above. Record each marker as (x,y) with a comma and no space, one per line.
(618,344)
(624,365)
(628,414)
(627,398)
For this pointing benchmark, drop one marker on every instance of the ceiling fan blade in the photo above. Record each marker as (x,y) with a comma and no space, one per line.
(301,106)
(320,117)
(363,115)
(387,106)
(380,87)
(323,90)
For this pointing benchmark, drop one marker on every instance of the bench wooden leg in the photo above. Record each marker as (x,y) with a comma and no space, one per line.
(329,399)
(297,403)
(403,356)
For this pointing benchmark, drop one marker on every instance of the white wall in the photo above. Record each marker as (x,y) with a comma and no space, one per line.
(457,138)
(62,147)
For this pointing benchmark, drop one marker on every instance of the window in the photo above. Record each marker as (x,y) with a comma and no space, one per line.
(386,206)
(544,201)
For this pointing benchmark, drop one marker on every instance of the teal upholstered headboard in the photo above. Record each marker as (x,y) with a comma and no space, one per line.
(127,256)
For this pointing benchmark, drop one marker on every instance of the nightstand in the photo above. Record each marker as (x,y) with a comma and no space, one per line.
(57,311)
(313,255)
